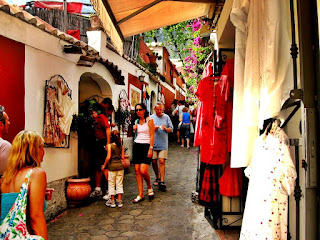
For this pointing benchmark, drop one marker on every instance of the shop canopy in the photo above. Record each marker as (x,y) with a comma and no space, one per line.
(125,18)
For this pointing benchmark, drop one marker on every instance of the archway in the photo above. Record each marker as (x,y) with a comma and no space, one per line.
(91,87)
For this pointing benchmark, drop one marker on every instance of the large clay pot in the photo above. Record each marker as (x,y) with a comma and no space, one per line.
(78,190)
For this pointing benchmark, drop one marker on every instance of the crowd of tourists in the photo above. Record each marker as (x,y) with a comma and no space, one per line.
(23,186)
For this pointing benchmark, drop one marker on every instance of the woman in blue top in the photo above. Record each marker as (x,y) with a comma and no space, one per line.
(26,153)
(185,118)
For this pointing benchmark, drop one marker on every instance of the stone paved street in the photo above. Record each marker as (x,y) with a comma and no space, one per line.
(170,215)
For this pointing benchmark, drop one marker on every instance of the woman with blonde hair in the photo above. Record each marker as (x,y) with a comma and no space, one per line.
(24,163)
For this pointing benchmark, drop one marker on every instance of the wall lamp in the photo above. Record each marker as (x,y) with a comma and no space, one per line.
(140,75)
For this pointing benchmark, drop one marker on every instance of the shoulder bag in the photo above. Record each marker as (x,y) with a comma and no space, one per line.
(14,225)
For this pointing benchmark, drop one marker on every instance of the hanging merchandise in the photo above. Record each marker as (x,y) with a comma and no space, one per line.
(271,176)
(263,78)
(211,131)
(230,183)
(59,110)
(123,114)
(65,107)
(208,188)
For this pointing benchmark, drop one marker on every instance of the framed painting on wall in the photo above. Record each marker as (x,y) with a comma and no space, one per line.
(135,96)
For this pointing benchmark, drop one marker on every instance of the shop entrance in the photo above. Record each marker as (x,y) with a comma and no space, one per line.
(92,88)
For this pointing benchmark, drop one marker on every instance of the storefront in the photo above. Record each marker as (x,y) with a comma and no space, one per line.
(275,40)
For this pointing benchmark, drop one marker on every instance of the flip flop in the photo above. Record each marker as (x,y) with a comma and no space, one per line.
(156,182)
(151,193)
(138,199)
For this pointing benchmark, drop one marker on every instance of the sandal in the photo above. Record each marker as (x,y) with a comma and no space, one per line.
(138,199)
(156,182)
(150,193)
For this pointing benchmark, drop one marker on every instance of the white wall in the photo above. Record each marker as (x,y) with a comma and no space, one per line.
(44,58)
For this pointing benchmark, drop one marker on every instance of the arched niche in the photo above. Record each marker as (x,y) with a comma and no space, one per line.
(93,84)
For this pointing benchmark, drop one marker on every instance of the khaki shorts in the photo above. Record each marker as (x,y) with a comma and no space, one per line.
(160,154)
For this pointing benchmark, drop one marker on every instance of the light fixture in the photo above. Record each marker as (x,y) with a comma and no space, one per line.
(140,75)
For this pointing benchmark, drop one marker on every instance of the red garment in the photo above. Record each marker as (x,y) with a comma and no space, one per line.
(212,124)
(71,7)
(74,33)
(208,193)
(100,125)
(230,183)
(227,83)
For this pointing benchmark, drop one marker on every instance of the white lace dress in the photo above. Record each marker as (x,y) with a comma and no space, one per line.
(271,176)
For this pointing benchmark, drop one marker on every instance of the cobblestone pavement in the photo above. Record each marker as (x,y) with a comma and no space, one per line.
(170,215)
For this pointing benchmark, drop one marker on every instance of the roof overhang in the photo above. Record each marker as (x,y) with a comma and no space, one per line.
(125,18)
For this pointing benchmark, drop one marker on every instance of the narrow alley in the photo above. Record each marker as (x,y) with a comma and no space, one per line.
(170,215)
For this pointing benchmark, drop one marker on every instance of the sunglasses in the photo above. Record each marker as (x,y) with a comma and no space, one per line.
(139,109)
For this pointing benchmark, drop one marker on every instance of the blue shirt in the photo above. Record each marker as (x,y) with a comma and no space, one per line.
(161,136)
(7,200)
(185,117)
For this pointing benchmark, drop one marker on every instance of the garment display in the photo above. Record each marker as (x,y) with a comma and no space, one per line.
(208,186)
(65,107)
(51,131)
(59,110)
(271,176)
(230,183)
(263,77)
(213,131)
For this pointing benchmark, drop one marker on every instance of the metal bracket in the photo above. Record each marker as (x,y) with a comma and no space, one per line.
(296,94)
(304,165)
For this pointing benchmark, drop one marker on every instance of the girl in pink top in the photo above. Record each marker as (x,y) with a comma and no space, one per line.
(142,150)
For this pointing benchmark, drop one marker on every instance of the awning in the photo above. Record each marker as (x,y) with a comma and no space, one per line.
(125,18)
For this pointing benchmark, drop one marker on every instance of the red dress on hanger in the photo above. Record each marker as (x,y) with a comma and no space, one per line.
(211,131)
(230,183)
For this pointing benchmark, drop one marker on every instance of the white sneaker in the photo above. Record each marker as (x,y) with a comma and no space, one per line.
(96,193)
(119,203)
(106,197)
(111,203)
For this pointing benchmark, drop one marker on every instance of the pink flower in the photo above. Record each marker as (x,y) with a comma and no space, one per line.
(196,41)
(21,226)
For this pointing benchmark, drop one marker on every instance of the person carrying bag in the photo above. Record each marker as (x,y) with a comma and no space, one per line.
(14,225)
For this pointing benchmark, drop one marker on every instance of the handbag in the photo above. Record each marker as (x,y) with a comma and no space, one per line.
(14,224)
(125,163)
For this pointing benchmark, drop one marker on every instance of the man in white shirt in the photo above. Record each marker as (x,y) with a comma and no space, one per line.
(5,146)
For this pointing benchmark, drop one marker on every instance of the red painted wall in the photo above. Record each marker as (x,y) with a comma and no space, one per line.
(169,97)
(134,81)
(12,61)
(166,59)
(144,49)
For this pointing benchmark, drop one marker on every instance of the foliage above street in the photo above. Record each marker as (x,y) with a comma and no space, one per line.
(184,41)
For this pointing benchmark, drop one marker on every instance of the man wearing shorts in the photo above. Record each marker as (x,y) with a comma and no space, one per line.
(163,126)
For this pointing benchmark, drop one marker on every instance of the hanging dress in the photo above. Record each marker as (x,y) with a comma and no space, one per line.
(271,176)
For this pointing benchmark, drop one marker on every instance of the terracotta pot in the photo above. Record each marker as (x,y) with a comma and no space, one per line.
(153,58)
(127,161)
(95,21)
(78,190)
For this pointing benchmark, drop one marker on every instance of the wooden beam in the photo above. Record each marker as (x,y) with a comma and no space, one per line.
(194,1)
(139,11)
(114,21)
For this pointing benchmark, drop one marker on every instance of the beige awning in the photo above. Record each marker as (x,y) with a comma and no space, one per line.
(125,18)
